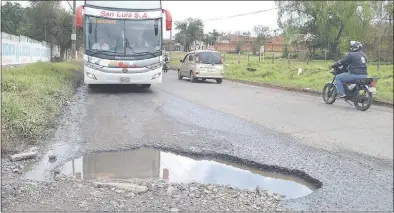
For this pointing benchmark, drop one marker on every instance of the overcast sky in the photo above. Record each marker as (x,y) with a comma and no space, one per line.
(204,10)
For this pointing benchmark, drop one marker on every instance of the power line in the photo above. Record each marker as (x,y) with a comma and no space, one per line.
(69,5)
(238,15)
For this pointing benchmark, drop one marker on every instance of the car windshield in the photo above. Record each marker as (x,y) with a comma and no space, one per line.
(123,37)
(209,58)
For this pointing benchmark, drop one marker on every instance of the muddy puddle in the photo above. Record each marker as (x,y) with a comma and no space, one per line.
(151,163)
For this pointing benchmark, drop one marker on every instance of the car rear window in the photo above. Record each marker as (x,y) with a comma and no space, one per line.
(209,58)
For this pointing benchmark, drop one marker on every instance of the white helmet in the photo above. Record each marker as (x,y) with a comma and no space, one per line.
(355,46)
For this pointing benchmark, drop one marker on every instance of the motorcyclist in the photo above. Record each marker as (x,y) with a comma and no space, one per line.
(166,61)
(356,61)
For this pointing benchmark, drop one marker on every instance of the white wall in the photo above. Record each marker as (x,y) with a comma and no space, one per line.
(23,50)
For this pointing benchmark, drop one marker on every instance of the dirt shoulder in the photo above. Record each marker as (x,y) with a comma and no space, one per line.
(32,97)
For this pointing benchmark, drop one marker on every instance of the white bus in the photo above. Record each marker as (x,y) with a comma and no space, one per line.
(123,41)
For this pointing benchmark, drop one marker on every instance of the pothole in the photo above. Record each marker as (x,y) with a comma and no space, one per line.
(151,163)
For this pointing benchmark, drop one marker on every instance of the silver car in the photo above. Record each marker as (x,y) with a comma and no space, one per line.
(202,64)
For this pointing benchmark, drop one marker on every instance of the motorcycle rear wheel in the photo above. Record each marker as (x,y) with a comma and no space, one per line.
(365,99)
(329,91)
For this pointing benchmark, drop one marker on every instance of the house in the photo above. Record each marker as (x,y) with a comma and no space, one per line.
(229,43)
(275,44)
(198,45)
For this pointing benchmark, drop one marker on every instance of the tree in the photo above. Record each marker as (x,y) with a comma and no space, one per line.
(331,23)
(240,42)
(246,34)
(290,33)
(13,18)
(42,17)
(380,42)
(212,37)
(62,31)
(42,21)
(262,35)
(57,25)
(226,35)
(190,30)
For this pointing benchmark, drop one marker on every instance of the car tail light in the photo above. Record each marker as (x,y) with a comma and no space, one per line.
(221,60)
(197,59)
(372,84)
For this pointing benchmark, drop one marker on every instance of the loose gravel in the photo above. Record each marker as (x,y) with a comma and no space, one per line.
(139,195)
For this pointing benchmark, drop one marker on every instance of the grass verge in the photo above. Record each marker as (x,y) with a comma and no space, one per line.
(32,97)
(280,74)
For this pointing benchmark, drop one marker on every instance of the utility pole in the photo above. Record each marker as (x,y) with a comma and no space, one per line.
(73,34)
(170,42)
(239,48)
(184,43)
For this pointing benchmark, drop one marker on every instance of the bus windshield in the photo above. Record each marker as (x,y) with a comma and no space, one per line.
(123,37)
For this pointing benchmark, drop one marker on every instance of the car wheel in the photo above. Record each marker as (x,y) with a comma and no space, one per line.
(219,80)
(192,78)
(179,75)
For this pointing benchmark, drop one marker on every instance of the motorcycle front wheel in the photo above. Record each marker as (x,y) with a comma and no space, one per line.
(363,99)
(329,93)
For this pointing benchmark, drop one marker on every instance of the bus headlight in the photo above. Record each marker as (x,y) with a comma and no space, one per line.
(90,75)
(156,75)
(154,66)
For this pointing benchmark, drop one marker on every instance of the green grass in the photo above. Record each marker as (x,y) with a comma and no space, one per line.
(33,96)
(280,73)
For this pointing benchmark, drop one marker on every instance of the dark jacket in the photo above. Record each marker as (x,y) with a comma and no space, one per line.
(356,61)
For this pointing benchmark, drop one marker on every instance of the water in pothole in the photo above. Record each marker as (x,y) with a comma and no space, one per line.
(151,163)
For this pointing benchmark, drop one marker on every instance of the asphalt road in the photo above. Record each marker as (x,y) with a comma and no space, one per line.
(305,117)
(348,151)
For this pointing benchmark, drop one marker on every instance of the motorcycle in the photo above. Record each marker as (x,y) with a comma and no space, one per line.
(358,92)
(166,67)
